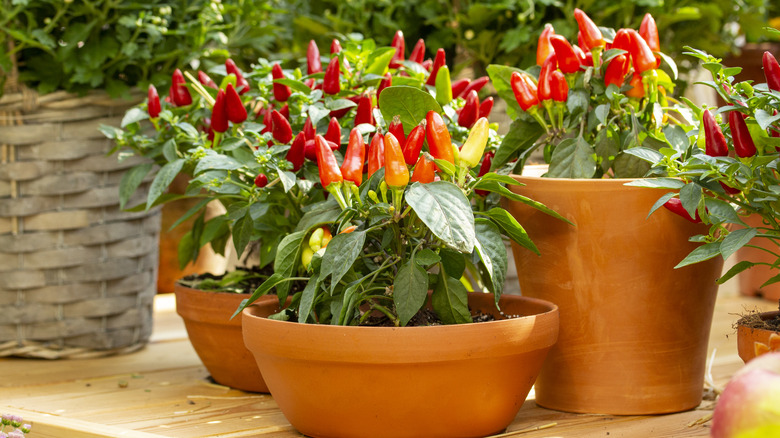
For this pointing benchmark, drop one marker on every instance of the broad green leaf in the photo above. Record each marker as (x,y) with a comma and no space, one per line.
(521,136)
(348,300)
(657,183)
(607,147)
(492,186)
(189,213)
(446,211)
(736,240)
(445,166)
(131,180)
(646,154)
(162,180)
(287,178)
(214,161)
(659,203)
(133,115)
(765,119)
(410,104)
(410,290)
(512,228)
(572,158)
(492,252)
(188,129)
(676,137)
(340,254)
(627,165)
(450,300)
(308,296)
(288,256)
(505,179)
(243,230)
(700,254)
(690,195)
(452,262)
(169,150)
(379,60)
(323,213)
(263,289)
(187,249)
(295,85)
(426,257)
(723,211)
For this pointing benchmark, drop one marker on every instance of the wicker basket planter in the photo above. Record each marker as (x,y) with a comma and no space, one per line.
(77,274)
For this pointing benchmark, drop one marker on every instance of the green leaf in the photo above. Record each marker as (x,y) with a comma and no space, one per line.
(287,178)
(607,146)
(263,289)
(348,301)
(572,158)
(504,179)
(379,61)
(700,254)
(676,137)
(446,211)
(410,104)
(647,154)
(659,203)
(295,85)
(410,290)
(450,301)
(736,269)
(131,180)
(162,180)
(340,255)
(657,183)
(690,195)
(492,252)
(322,213)
(308,296)
(214,161)
(189,213)
(426,257)
(169,150)
(133,115)
(242,233)
(492,186)
(452,262)
(288,256)
(187,249)
(511,228)
(445,166)
(736,240)
(521,136)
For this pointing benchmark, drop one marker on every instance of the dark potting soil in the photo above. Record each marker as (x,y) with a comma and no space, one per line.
(423,318)
(753,320)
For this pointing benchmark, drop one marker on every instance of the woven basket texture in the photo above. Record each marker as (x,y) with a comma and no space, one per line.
(77,274)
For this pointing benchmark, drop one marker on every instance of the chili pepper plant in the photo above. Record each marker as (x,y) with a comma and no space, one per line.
(729,169)
(585,104)
(249,139)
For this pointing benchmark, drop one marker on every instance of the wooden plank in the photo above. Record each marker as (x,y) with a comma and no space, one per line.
(55,426)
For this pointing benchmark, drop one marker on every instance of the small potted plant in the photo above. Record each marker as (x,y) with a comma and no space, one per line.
(248,142)
(386,322)
(585,108)
(728,176)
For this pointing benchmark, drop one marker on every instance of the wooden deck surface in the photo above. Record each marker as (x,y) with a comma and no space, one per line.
(164,391)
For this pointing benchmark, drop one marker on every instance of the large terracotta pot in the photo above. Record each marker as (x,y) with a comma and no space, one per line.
(217,339)
(754,341)
(442,381)
(634,330)
(750,281)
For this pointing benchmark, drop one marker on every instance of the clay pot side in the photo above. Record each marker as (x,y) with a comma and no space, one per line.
(634,330)
(752,342)
(750,281)
(217,339)
(442,381)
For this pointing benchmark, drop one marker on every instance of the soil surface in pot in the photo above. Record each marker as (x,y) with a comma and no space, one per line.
(423,318)
(234,282)
(754,321)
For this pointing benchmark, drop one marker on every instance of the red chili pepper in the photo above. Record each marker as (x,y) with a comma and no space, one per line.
(622,40)
(331,84)
(308,130)
(581,42)
(418,53)
(414,143)
(204,79)
(179,94)
(281,130)
(649,31)
(310,150)
(642,57)
(333,134)
(396,172)
(236,112)
(439,140)
(475,85)
(427,64)
(437,63)
(354,158)
(714,141)
(242,85)
(335,47)
(568,61)
(266,119)
(219,117)
(153,106)
(774,131)
(637,89)
(771,71)
(617,69)
(485,107)
(675,206)
(400,49)
(261,180)
(397,129)
(544,48)
(296,153)
(424,171)
(525,91)
(313,63)
(545,90)
(326,161)
(285,111)
(590,32)
(582,57)
(386,82)
(376,154)
(364,113)
(743,142)
(468,114)
(484,168)
(560,89)
(459,86)
(281,91)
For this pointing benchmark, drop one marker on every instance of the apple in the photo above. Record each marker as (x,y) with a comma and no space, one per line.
(749,406)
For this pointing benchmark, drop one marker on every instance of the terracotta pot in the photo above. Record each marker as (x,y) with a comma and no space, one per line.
(442,381)
(217,339)
(754,341)
(750,281)
(634,330)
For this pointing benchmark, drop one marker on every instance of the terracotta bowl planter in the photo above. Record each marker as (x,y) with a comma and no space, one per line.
(750,281)
(217,339)
(443,381)
(634,330)
(754,341)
